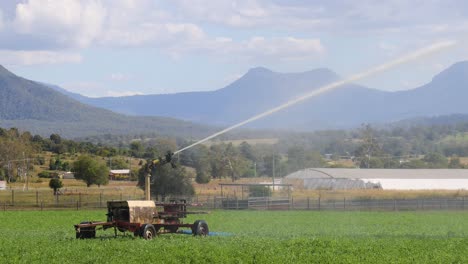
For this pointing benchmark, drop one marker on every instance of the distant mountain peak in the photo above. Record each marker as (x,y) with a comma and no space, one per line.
(259,70)
(457,71)
(324,72)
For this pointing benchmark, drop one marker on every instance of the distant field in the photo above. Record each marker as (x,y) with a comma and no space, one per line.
(246,237)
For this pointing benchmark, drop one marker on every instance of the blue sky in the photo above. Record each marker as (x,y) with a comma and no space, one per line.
(126,47)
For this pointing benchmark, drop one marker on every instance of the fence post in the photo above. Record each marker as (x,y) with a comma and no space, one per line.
(308,203)
(42,205)
(4,206)
(394,204)
(463,203)
(344,203)
(13,197)
(319,203)
(37,198)
(100,200)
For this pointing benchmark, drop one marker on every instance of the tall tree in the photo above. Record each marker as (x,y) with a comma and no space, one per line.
(91,171)
(55,184)
(369,148)
(14,148)
(167,180)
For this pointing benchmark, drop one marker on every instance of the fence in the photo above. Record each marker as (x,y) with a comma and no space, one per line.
(44,199)
(41,200)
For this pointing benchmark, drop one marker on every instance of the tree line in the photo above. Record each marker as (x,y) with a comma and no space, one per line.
(435,146)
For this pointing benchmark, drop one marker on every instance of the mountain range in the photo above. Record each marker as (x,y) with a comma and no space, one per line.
(45,108)
(37,108)
(261,89)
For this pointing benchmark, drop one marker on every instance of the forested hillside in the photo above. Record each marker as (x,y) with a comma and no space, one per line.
(37,108)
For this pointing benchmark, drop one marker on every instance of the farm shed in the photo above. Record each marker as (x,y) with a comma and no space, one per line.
(395,179)
(119,174)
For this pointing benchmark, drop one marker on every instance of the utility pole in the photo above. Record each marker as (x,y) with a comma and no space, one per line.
(273,174)
(130,165)
(27,174)
(255,169)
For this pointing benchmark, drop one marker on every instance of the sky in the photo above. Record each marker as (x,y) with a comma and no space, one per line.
(126,47)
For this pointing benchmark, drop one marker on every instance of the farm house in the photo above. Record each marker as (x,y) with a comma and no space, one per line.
(389,179)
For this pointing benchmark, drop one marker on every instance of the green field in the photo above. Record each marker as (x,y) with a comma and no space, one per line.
(246,237)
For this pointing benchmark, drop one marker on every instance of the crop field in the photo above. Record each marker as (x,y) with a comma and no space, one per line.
(245,237)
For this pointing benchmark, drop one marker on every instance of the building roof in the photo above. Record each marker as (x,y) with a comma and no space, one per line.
(120,171)
(379,173)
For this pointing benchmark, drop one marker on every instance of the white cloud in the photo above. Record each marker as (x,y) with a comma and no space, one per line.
(250,13)
(71,23)
(21,57)
(348,16)
(147,34)
(180,27)
(260,48)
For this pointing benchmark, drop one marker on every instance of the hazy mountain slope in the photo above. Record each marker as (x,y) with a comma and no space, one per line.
(35,107)
(261,89)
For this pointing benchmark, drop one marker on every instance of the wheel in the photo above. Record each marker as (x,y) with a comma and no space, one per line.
(86,232)
(200,228)
(147,231)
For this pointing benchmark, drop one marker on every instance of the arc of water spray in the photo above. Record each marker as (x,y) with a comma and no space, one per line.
(372,71)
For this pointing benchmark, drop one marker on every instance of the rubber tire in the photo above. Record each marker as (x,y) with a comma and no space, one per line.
(200,228)
(86,232)
(147,231)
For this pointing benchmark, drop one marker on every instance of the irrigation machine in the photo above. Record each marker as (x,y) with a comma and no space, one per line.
(145,218)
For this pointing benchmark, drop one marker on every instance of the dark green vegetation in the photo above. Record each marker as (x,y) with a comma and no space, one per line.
(256,237)
(91,171)
(419,146)
(55,184)
(38,108)
(167,180)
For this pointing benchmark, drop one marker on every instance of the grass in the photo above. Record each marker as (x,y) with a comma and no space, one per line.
(254,237)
